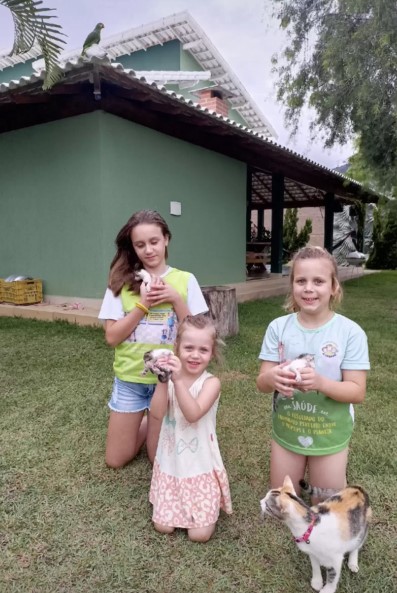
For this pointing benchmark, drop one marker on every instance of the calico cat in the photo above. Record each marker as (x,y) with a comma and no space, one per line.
(327,531)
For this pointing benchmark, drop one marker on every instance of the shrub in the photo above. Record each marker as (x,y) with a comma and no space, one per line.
(383,254)
(292,239)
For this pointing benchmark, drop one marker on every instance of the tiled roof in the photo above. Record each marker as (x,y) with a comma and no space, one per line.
(7,61)
(78,62)
(305,180)
(182,77)
(184,28)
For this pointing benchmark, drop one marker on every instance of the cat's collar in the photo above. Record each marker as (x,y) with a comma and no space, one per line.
(306,535)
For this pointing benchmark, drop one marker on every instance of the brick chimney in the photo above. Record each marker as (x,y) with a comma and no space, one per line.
(212,99)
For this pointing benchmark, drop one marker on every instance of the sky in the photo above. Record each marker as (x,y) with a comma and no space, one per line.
(243,31)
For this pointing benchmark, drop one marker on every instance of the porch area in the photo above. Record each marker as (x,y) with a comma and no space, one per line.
(85,311)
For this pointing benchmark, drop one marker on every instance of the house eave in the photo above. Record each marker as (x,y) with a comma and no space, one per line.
(183,28)
(24,103)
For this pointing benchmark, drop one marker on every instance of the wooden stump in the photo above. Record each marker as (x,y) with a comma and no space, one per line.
(222,305)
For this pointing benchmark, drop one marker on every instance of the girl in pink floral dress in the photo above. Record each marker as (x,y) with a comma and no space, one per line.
(189,484)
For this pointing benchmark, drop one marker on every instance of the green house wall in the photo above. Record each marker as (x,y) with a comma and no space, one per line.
(17,71)
(235,116)
(187,61)
(67,187)
(158,57)
(169,56)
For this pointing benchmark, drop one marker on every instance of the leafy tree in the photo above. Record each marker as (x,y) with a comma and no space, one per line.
(33,24)
(361,171)
(341,61)
(383,255)
(292,239)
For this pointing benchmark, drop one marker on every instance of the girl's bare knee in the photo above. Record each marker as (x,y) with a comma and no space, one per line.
(113,463)
(163,528)
(329,471)
(201,534)
(116,461)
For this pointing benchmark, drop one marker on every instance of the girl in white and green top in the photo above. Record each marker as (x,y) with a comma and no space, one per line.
(137,320)
(313,420)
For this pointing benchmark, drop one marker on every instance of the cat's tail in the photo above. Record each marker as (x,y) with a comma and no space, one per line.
(316,491)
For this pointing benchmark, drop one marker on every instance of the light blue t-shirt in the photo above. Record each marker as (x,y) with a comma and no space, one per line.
(312,423)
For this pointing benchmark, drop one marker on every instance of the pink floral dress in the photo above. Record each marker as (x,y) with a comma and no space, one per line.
(189,483)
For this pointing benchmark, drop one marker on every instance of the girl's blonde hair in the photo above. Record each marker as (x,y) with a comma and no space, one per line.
(314,253)
(201,321)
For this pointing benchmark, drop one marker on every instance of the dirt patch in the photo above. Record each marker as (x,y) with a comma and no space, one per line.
(232,376)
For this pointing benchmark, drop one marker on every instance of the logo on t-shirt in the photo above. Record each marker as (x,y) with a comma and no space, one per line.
(330,350)
(159,326)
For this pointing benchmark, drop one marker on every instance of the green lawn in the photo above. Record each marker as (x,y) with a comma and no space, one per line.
(69,524)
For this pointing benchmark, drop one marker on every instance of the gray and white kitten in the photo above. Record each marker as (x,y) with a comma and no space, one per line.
(299,363)
(151,358)
(145,277)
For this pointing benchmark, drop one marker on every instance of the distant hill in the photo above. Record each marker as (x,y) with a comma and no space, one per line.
(342,168)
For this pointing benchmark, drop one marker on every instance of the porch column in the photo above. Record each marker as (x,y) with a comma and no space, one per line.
(249,205)
(276,260)
(261,219)
(329,200)
(248,224)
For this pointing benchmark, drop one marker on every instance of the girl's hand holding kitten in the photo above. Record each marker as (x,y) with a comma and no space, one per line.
(310,380)
(161,292)
(173,364)
(284,380)
(145,294)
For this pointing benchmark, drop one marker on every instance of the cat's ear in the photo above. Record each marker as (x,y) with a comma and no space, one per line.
(288,485)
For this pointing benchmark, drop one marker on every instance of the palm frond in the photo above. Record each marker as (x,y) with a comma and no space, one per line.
(32,23)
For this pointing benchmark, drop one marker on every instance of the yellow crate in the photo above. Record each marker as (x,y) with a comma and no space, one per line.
(1,290)
(21,292)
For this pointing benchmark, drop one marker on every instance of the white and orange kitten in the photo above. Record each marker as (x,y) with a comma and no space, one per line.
(327,531)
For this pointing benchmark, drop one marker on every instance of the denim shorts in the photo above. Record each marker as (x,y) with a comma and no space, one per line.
(130,397)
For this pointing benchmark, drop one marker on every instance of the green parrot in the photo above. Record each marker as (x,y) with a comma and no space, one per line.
(93,38)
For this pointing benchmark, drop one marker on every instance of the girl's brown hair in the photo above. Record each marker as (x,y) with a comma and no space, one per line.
(201,321)
(314,253)
(126,262)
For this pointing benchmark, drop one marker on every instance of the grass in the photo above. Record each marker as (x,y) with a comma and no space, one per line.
(70,525)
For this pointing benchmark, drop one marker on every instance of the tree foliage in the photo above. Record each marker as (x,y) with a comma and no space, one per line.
(341,60)
(292,239)
(361,171)
(33,23)
(383,255)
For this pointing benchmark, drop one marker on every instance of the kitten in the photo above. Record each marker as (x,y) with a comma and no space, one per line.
(145,277)
(327,531)
(301,362)
(150,359)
